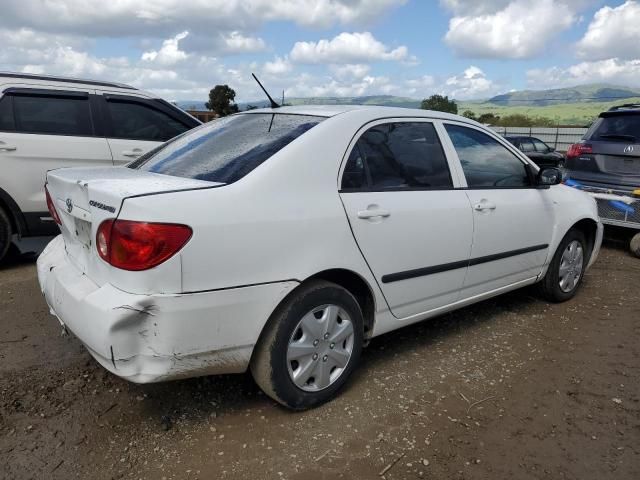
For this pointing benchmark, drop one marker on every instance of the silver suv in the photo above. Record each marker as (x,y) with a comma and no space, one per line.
(51,122)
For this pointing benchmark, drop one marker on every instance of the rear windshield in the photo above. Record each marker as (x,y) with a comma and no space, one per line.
(226,150)
(621,128)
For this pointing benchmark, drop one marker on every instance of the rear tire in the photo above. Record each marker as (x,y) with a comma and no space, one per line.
(567,268)
(310,346)
(5,233)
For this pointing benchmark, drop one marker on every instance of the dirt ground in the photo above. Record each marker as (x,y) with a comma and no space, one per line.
(509,388)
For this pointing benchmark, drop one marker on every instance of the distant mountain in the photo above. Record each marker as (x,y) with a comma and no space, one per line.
(383,100)
(580,94)
(567,106)
(191,104)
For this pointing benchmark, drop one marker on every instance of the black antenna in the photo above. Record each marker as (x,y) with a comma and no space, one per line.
(273,103)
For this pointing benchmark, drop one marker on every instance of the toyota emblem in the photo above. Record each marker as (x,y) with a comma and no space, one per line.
(628,149)
(69,205)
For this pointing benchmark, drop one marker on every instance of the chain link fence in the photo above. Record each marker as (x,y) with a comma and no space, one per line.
(560,138)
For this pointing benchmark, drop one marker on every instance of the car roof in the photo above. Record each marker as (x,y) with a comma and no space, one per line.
(374,111)
(61,81)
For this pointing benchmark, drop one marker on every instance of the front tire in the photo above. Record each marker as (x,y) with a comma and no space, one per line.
(310,346)
(5,233)
(634,245)
(566,270)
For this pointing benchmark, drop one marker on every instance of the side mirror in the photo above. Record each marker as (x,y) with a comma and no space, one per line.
(549,176)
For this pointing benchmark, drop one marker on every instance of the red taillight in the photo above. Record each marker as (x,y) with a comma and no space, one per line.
(137,246)
(52,208)
(578,149)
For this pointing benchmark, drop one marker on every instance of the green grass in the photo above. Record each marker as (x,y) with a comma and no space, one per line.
(579,114)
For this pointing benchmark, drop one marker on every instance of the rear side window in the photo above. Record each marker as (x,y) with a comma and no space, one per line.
(6,115)
(616,128)
(52,115)
(226,150)
(397,155)
(540,145)
(526,146)
(485,162)
(136,121)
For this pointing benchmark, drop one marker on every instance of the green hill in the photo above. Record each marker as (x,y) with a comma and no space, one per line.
(564,106)
(562,96)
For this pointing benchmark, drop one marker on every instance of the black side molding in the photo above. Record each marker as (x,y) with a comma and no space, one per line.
(445,267)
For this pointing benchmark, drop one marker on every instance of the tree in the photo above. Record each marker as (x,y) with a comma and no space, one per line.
(221,99)
(489,118)
(469,114)
(439,103)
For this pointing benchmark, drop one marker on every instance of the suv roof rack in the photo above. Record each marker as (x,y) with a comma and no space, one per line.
(626,106)
(66,80)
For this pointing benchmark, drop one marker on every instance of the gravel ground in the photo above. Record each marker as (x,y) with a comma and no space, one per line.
(509,388)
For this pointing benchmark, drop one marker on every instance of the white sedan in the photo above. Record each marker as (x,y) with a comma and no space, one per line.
(282,240)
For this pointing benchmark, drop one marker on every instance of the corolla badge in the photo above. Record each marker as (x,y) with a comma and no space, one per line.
(69,205)
(628,149)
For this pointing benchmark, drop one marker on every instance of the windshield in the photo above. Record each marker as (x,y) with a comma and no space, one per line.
(226,150)
(623,128)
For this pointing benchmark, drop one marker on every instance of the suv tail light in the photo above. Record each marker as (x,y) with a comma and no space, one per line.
(139,246)
(578,149)
(51,206)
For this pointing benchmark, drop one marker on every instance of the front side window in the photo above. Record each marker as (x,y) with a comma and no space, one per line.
(486,163)
(52,115)
(397,155)
(226,150)
(136,121)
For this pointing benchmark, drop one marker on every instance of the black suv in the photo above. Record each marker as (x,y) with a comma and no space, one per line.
(542,154)
(608,156)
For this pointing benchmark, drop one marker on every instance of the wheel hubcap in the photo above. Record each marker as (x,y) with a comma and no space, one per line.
(571,266)
(320,348)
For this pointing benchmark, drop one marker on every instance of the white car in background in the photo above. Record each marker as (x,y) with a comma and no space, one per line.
(50,122)
(281,240)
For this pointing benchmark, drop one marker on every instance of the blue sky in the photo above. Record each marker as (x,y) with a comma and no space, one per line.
(462,48)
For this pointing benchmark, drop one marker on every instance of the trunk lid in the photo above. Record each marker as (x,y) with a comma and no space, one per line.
(85,197)
(609,158)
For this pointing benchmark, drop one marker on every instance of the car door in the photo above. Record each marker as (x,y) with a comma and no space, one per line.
(513,220)
(136,125)
(411,224)
(40,130)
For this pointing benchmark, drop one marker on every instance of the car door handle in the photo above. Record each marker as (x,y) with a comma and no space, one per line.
(365,214)
(7,148)
(136,152)
(480,207)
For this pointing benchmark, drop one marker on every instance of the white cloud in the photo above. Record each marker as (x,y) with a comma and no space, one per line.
(236,42)
(278,66)
(519,29)
(350,71)
(420,87)
(347,48)
(161,18)
(306,85)
(169,53)
(472,83)
(613,32)
(612,70)
(474,7)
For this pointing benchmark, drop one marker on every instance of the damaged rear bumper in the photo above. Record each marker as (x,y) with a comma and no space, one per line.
(151,338)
